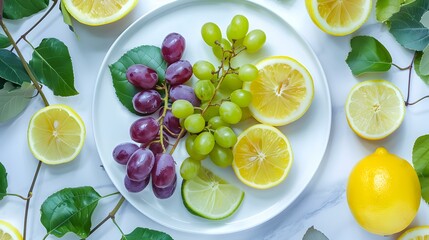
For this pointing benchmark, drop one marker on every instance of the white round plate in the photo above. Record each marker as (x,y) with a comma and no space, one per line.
(308,136)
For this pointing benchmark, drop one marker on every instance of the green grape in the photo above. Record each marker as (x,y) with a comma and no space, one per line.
(217,122)
(238,28)
(225,137)
(189,168)
(241,97)
(217,50)
(230,112)
(210,112)
(195,123)
(254,40)
(230,83)
(220,156)
(204,90)
(204,143)
(203,70)
(189,143)
(182,108)
(248,72)
(246,114)
(211,33)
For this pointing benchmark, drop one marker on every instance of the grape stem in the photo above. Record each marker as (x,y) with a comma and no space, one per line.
(161,119)
(181,133)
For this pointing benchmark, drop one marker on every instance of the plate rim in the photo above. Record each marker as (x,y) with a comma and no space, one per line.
(167,7)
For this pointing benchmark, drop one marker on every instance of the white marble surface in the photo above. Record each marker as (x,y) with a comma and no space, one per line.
(323,204)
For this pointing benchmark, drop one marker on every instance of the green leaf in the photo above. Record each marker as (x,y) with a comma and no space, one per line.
(53,67)
(368,55)
(384,9)
(146,234)
(3,181)
(424,64)
(66,17)
(314,234)
(14,100)
(146,55)
(425,19)
(69,210)
(417,61)
(406,27)
(4,41)
(421,164)
(11,68)
(16,9)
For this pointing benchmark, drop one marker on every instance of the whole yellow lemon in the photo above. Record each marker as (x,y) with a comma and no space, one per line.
(383,193)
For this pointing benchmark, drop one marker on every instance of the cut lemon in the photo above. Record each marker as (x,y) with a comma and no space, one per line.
(416,233)
(99,12)
(283,91)
(339,17)
(211,197)
(375,109)
(9,232)
(56,134)
(262,156)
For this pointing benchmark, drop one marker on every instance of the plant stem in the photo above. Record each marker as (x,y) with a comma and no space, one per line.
(17,195)
(177,141)
(119,228)
(403,68)
(24,63)
(409,79)
(111,215)
(30,193)
(35,25)
(412,103)
(109,195)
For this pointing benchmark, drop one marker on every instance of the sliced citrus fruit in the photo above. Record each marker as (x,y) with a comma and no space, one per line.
(283,91)
(262,156)
(56,134)
(416,233)
(375,109)
(339,17)
(9,232)
(99,12)
(211,197)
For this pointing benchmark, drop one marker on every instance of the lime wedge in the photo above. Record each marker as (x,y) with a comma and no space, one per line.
(211,197)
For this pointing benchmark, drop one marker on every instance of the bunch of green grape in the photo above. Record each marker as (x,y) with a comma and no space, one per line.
(223,101)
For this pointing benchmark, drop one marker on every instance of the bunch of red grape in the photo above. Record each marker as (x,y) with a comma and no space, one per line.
(150,159)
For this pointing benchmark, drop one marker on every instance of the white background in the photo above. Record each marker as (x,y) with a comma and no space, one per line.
(323,204)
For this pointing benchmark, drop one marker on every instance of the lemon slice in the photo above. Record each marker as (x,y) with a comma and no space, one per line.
(262,156)
(339,17)
(416,233)
(375,109)
(56,134)
(211,197)
(99,12)
(9,232)
(283,91)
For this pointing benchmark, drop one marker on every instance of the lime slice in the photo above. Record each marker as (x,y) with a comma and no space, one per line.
(211,197)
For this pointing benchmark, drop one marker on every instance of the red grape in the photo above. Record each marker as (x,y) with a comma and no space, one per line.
(140,165)
(123,152)
(142,76)
(144,130)
(173,47)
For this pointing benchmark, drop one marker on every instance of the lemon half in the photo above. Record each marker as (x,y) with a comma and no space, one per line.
(9,232)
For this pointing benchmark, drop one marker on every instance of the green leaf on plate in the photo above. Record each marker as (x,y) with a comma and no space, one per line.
(406,27)
(146,55)
(4,41)
(417,61)
(3,181)
(314,234)
(17,9)
(368,55)
(53,67)
(146,234)
(384,9)
(66,17)
(11,68)
(421,164)
(69,210)
(14,100)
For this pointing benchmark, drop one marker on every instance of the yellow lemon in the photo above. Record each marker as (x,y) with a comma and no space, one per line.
(383,193)
(375,109)
(339,17)
(56,134)
(262,156)
(416,233)
(99,12)
(9,232)
(282,92)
